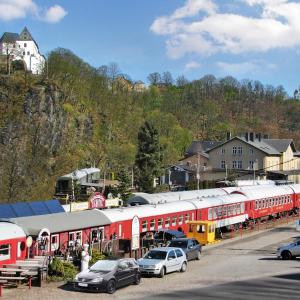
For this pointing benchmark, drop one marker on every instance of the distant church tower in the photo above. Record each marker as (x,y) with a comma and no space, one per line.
(23,47)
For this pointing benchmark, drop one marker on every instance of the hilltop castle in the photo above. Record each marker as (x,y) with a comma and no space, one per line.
(22,47)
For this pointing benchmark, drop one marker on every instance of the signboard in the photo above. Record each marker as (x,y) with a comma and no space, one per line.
(79,206)
(135,233)
(29,241)
(97,200)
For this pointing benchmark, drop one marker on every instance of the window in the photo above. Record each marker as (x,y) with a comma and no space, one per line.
(222,151)
(256,205)
(220,212)
(75,237)
(160,223)
(187,218)
(251,164)
(215,213)
(240,164)
(224,211)
(238,208)
(234,150)
(54,242)
(193,216)
(240,150)
(251,151)
(234,164)
(210,214)
(174,220)
(167,222)
(223,164)
(152,224)
(23,52)
(172,254)
(144,225)
(178,253)
(4,252)
(229,210)
(120,230)
(234,209)
(25,45)
(242,207)
(180,219)
(28,53)
(276,202)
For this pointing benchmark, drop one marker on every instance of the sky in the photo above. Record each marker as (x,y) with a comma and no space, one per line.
(246,39)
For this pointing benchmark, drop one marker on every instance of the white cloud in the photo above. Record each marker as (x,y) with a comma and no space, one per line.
(244,68)
(54,14)
(212,31)
(16,9)
(20,9)
(192,65)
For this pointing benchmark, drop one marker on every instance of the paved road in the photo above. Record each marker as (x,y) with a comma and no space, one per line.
(239,269)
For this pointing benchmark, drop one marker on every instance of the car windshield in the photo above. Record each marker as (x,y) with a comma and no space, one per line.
(156,255)
(178,244)
(104,265)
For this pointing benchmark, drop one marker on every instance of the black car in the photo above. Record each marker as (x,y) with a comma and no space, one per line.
(108,275)
(191,247)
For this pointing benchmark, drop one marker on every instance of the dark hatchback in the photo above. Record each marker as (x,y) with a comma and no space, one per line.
(191,247)
(108,275)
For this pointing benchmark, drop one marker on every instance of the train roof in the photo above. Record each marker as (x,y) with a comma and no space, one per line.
(10,231)
(158,198)
(62,222)
(295,187)
(259,192)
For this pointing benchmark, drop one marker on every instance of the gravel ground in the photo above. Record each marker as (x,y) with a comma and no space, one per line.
(247,258)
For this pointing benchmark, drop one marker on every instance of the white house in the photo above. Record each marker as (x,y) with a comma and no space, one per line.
(22,47)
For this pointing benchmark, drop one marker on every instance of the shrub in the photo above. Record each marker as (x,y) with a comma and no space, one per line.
(97,255)
(61,270)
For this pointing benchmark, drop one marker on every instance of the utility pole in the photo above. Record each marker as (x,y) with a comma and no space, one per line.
(198,171)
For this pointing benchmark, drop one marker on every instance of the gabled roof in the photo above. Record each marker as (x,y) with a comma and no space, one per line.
(9,37)
(25,35)
(200,146)
(280,145)
(260,145)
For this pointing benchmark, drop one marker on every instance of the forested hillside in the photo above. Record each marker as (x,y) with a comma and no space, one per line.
(75,116)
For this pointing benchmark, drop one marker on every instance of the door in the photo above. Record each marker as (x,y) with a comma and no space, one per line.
(191,251)
(123,274)
(296,249)
(172,263)
(179,258)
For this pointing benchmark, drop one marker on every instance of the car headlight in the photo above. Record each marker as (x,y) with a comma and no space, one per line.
(97,280)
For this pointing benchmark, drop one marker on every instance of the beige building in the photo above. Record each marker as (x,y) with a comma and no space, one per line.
(268,158)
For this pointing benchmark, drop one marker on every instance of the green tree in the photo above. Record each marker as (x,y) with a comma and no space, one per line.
(148,158)
(124,184)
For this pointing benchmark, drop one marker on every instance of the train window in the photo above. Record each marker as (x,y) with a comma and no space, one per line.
(273,201)
(152,224)
(270,202)
(5,251)
(180,219)
(187,218)
(242,207)
(259,204)
(284,200)
(120,230)
(289,197)
(224,211)
(276,201)
(219,212)
(174,220)
(193,216)
(160,223)
(238,208)
(256,205)
(215,212)
(144,225)
(233,210)
(229,210)
(167,222)
(210,214)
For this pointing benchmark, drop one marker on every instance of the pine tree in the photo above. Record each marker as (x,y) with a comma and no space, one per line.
(124,184)
(148,159)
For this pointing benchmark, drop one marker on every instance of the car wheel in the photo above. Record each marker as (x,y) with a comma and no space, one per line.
(111,286)
(162,272)
(286,255)
(198,255)
(183,267)
(137,280)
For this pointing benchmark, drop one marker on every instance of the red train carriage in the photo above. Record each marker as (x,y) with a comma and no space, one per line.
(12,243)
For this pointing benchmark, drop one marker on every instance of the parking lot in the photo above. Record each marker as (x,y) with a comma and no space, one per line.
(225,269)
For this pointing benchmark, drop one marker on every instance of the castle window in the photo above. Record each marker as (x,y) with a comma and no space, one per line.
(28,53)
(23,52)
(223,164)
(222,151)
(234,150)
(25,45)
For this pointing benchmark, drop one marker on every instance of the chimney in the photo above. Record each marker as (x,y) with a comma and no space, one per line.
(247,136)
(228,136)
(251,136)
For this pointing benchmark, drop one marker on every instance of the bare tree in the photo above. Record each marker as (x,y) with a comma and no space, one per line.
(167,78)
(154,78)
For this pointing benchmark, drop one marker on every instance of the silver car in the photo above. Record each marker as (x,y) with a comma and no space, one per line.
(163,260)
(289,251)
